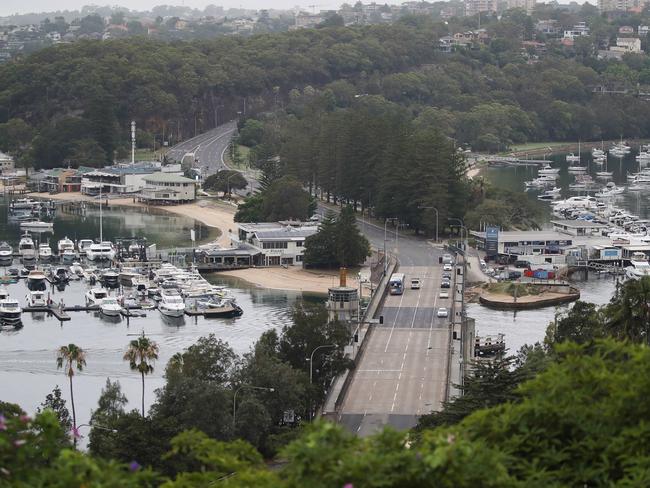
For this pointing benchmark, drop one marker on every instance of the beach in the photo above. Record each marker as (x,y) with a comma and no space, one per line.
(221,215)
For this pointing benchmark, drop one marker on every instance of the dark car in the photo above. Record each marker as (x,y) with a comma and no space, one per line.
(445,284)
(522,264)
(446,275)
(514,275)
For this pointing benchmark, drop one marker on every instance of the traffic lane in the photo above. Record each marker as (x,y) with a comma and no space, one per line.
(421,317)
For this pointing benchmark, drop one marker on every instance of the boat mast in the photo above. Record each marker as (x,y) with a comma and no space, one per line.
(101,233)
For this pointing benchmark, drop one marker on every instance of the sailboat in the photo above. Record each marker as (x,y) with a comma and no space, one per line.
(604,174)
(572,158)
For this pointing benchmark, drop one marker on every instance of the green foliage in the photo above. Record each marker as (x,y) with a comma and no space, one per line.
(102,441)
(55,402)
(251,133)
(503,208)
(141,354)
(225,181)
(281,199)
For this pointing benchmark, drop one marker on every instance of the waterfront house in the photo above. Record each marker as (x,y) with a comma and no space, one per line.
(167,188)
(6,164)
(578,227)
(274,243)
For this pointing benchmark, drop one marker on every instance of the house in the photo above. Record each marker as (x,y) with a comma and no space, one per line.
(643,30)
(578,227)
(626,30)
(549,27)
(627,44)
(274,243)
(578,30)
(167,188)
(61,180)
(474,7)
(6,164)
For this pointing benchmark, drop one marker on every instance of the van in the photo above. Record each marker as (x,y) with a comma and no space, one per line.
(415,283)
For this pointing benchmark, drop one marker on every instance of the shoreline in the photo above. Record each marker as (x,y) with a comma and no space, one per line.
(221,216)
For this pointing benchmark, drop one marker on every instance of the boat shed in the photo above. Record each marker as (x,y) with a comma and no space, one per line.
(537,247)
(224,259)
(578,227)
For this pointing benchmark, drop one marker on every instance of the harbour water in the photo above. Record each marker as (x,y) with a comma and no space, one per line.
(528,327)
(28,355)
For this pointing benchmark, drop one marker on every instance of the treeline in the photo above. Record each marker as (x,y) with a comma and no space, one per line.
(569,412)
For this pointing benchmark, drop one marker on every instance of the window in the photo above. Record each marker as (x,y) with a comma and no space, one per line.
(299,243)
(274,245)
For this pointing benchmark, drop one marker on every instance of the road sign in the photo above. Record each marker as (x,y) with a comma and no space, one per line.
(492,241)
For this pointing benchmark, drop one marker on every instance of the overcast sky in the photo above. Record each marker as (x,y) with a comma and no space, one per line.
(8,7)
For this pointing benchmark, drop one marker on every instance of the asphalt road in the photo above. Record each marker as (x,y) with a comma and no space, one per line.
(402,373)
(208,148)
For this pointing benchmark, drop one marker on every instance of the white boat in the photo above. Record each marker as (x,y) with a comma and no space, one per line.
(69,256)
(577,169)
(76,269)
(610,190)
(171,304)
(95,295)
(548,170)
(110,307)
(639,266)
(128,276)
(36,225)
(84,244)
(572,158)
(604,174)
(65,244)
(100,252)
(26,246)
(36,279)
(110,278)
(23,203)
(643,156)
(44,252)
(10,311)
(60,274)
(6,251)
(36,298)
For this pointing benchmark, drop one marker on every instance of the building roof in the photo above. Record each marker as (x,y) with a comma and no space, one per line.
(577,224)
(528,235)
(160,177)
(5,157)
(286,233)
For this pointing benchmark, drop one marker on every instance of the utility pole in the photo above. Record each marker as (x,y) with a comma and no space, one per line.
(132,141)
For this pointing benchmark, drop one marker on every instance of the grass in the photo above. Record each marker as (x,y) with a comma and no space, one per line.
(244,151)
(537,145)
(508,288)
(145,154)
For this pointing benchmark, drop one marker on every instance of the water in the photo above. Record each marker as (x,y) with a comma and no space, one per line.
(82,222)
(28,356)
(528,327)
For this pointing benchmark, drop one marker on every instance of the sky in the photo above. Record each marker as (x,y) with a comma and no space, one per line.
(8,7)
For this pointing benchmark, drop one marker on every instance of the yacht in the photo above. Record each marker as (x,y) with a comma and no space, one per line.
(572,158)
(10,311)
(577,169)
(23,203)
(36,225)
(60,275)
(65,244)
(94,296)
(548,170)
(26,246)
(610,190)
(6,252)
(110,307)
(129,276)
(84,244)
(604,174)
(36,298)
(639,266)
(69,256)
(4,293)
(110,278)
(219,308)
(36,280)
(98,252)
(171,304)
(44,252)
(76,269)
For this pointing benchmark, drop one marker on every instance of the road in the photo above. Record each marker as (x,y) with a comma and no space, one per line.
(402,373)
(208,148)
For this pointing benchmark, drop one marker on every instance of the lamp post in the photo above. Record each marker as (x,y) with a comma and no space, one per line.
(234,400)
(462,228)
(436,210)
(392,219)
(311,370)
(101,427)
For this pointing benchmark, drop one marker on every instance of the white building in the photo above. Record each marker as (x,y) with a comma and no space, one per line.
(6,164)
(166,188)
(274,243)
(627,45)
(578,30)
(473,7)
(527,5)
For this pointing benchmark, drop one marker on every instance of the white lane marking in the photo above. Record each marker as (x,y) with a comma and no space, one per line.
(399,307)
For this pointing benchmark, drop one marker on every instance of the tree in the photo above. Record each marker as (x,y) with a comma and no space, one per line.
(109,411)
(251,133)
(285,199)
(352,248)
(70,357)
(225,181)
(321,247)
(91,24)
(250,210)
(141,354)
(56,403)
(117,18)
(582,323)
(627,316)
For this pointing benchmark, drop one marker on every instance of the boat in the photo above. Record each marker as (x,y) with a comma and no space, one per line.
(36,298)
(110,278)
(548,170)
(60,274)
(36,225)
(572,158)
(65,244)
(23,203)
(36,280)
(639,266)
(26,246)
(44,252)
(69,256)
(129,276)
(4,293)
(610,190)
(84,244)
(95,295)
(76,269)
(171,304)
(100,252)
(110,307)
(577,169)
(6,252)
(10,311)
(219,308)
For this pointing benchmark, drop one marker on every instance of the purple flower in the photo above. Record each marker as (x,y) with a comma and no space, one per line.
(74,433)
(348,485)
(134,466)
(3,422)
(20,442)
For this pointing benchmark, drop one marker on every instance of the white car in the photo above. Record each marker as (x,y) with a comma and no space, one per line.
(447,267)
(442,312)
(444,294)
(415,283)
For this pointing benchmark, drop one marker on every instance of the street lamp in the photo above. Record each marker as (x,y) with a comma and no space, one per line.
(462,228)
(392,219)
(234,399)
(101,427)
(436,210)
(311,370)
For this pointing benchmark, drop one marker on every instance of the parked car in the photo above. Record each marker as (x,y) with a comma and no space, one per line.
(442,312)
(514,275)
(447,267)
(445,284)
(444,294)
(447,259)
(522,264)
(446,275)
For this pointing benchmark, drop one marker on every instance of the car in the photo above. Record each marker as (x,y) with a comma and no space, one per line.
(447,259)
(446,275)
(415,283)
(447,267)
(444,294)
(483,264)
(445,284)
(442,312)
(522,264)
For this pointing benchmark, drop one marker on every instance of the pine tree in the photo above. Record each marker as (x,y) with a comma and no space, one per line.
(352,248)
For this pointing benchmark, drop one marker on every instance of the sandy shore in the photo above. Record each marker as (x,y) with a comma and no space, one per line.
(220,215)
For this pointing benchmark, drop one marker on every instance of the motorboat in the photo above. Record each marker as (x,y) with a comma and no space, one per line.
(171,304)
(84,244)
(76,269)
(610,190)
(44,252)
(100,252)
(110,307)
(6,252)
(110,278)
(638,268)
(65,244)
(4,293)
(643,156)
(219,308)
(60,274)
(94,296)
(604,174)
(128,276)
(36,280)
(23,203)
(10,311)
(68,256)
(597,153)
(572,158)
(548,170)
(577,169)
(36,225)
(26,246)
(36,298)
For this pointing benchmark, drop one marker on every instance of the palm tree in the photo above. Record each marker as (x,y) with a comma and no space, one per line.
(70,356)
(140,354)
